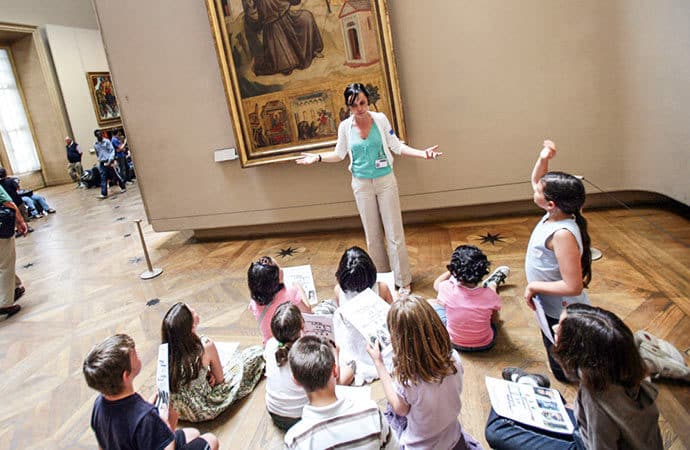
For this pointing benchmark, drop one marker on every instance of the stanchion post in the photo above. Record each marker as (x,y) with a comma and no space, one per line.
(151,272)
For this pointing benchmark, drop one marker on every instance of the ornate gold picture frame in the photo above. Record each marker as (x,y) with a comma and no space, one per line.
(286,63)
(103,97)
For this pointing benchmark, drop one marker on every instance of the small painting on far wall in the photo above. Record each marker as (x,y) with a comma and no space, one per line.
(103,96)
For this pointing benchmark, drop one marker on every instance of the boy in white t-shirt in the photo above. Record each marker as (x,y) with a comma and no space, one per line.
(354,426)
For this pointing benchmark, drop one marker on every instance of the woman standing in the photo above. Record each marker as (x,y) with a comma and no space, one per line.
(370,141)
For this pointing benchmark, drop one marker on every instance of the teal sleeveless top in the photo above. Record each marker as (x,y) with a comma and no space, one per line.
(365,153)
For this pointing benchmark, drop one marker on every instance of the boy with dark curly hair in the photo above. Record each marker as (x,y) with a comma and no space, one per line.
(467,307)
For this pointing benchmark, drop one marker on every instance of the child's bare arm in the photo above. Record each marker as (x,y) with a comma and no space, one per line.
(398,404)
(542,164)
(304,306)
(385,293)
(443,277)
(214,362)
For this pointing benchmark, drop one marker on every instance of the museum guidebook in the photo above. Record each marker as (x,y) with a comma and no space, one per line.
(367,312)
(163,382)
(319,325)
(532,405)
(302,276)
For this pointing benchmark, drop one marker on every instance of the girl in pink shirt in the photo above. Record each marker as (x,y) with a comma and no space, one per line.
(467,309)
(266,286)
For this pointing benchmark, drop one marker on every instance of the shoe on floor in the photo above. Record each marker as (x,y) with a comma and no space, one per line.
(18,292)
(51,211)
(10,311)
(102,196)
(518,375)
(498,277)
(123,189)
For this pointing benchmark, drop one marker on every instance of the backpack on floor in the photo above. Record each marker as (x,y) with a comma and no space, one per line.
(91,177)
(662,358)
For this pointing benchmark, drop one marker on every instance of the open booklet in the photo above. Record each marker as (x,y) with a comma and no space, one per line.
(532,405)
(302,276)
(319,325)
(163,382)
(367,312)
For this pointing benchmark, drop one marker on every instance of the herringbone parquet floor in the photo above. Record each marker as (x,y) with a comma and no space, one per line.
(81,268)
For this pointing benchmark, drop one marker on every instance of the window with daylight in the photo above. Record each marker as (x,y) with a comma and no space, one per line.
(14,123)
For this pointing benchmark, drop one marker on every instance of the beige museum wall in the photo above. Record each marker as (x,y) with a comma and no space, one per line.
(485,80)
(655,45)
(76,51)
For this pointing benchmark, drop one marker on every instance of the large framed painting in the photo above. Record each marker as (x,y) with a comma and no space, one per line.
(286,63)
(103,98)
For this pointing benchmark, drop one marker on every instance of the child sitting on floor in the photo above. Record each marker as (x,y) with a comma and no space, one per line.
(122,419)
(356,273)
(200,384)
(469,311)
(284,398)
(327,421)
(424,397)
(266,286)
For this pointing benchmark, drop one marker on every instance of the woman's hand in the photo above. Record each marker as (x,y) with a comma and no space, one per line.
(307,159)
(431,153)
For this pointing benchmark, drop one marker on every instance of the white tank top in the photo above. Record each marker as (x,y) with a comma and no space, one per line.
(541,263)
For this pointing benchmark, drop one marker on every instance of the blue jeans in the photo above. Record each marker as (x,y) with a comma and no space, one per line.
(107,172)
(30,203)
(122,168)
(441,311)
(506,434)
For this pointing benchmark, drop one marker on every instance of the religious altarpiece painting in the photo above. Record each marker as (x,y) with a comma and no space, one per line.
(103,97)
(285,65)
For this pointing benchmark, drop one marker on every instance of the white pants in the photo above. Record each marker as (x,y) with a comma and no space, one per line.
(7,274)
(378,203)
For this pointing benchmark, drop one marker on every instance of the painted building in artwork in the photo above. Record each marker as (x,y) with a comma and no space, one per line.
(359,33)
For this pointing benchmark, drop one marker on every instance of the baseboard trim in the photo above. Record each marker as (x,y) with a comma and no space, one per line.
(503,209)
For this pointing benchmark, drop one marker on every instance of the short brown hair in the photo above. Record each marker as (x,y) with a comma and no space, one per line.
(106,362)
(597,347)
(311,362)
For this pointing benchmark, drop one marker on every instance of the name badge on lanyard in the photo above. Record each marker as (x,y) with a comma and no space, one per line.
(381,163)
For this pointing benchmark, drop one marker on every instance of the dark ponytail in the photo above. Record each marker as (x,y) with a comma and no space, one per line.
(286,326)
(568,193)
(586,258)
(282,353)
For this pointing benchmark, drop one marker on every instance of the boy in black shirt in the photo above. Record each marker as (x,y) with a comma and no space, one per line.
(121,418)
